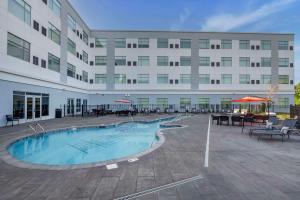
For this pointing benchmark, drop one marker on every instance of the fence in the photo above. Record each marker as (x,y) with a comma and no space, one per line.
(294,111)
(103,109)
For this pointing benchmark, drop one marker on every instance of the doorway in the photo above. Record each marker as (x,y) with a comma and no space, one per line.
(33,108)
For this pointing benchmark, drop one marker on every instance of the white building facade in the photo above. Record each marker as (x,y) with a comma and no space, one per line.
(50,58)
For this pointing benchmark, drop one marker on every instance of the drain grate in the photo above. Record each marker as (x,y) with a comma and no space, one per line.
(157,189)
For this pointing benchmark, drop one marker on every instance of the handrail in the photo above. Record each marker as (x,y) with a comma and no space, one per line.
(37,124)
(31,128)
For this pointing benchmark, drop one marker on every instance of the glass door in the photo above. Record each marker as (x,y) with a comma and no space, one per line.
(70,107)
(37,107)
(29,108)
(33,108)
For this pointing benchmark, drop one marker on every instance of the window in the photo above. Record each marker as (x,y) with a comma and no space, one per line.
(204,61)
(85,57)
(185,78)
(120,43)
(265,44)
(85,76)
(36,25)
(21,10)
(283,102)
(162,60)
(244,62)
(184,102)
(244,44)
(204,102)
(71,23)
(43,63)
(204,44)
(143,61)
(18,47)
(71,47)
(54,33)
(162,43)
(185,43)
(226,79)
(143,78)
(204,78)
(143,102)
(71,70)
(35,60)
(53,63)
(44,31)
(100,60)
(283,45)
(54,5)
(265,79)
(226,103)
(283,79)
(266,62)
(162,102)
(120,60)
(185,61)
(143,43)
(120,78)
(226,44)
(244,78)
(162,78)
(85,38)
(226,61)
(78,105)
(100,42)
(283,62)
(19,104)
(100,78)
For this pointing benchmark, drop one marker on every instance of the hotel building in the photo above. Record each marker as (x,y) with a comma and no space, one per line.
(49,57)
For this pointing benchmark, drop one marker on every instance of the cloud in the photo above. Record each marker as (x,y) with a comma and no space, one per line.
(183,16)
(226,22)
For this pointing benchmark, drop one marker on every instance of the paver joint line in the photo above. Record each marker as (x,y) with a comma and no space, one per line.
(157,189)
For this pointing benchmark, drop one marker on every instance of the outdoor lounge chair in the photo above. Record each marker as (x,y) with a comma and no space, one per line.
(10,118)
(287,126)
(274,125)
(272,119)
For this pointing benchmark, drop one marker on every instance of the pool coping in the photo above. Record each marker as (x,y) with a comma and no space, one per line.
(9,159)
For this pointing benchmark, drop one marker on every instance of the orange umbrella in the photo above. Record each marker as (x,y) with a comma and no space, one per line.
(251,99)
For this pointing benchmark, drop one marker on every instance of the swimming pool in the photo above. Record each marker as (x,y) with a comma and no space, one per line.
(87,145)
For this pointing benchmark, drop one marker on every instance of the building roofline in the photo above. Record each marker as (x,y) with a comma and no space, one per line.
(188,31)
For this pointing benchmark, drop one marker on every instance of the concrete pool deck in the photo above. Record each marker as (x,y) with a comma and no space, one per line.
(239,167)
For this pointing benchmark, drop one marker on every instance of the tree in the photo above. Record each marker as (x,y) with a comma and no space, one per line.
(297,94)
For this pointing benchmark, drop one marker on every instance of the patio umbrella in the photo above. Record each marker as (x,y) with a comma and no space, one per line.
(122,101)
(249,99)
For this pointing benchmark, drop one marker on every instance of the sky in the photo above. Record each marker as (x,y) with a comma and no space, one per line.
(280,16)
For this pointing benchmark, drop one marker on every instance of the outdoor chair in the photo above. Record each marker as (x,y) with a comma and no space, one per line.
(225,119)
(10,118)
(215,118)
(236,119)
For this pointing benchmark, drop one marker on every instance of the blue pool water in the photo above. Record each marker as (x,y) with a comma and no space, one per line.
(86,145)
